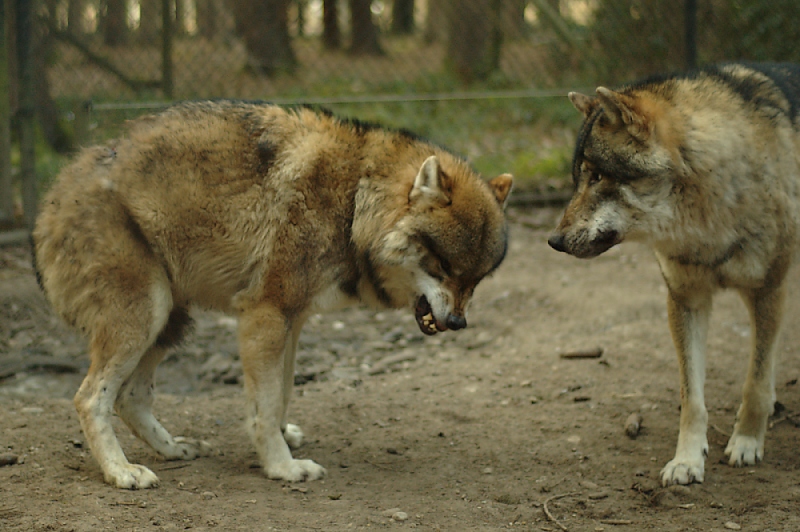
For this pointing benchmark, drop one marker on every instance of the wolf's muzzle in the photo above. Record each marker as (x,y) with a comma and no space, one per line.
(455,323)
(557,242)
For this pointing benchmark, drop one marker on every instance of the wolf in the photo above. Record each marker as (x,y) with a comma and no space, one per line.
(270,214)
(704,168)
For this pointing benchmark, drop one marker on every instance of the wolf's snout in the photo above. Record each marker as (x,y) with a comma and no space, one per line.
(556,241)
(455,323)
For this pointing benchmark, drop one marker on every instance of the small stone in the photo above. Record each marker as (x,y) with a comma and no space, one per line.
(730,525)
(588,484)
(399,516)
(390,512)
(208,495)
(487,471)
(7,459)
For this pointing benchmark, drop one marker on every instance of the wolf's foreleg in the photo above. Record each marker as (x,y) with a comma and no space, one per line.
(688,320)
(264,333)
(746,446)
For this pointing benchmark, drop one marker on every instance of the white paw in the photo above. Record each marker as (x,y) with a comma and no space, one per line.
(131,477)
(188,449)
(683,471)
(744,450)
(296,471)
(293,436)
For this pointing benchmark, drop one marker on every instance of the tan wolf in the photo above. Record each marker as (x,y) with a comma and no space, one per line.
(704,167)
(267,213)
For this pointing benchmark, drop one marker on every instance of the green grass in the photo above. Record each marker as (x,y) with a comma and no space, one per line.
(531,138)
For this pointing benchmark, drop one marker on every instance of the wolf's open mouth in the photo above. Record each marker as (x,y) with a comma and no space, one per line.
(424,314)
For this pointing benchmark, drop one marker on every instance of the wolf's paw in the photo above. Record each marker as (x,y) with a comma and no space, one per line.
(293,436)
(131,477)
(296,471)
(744,450)
(678,471)
(188,449)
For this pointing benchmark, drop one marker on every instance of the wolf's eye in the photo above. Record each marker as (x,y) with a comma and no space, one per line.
(595,177)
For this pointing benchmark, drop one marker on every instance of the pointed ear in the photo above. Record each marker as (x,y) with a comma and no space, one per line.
(501,187)
(582,103)
(428,183)
(624,111)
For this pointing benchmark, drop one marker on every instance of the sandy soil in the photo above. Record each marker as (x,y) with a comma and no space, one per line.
(486,428)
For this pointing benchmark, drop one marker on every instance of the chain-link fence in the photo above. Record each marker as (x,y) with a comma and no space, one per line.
(114,58)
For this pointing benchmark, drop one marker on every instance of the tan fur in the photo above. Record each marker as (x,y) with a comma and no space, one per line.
(265,213)
(705,169)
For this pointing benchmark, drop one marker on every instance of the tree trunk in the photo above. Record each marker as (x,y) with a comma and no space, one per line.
(179,28)
(403,17)
(75,17)
(473,47)
(115,28)
(209,18)
(149,21)
(513,18)
(364,31)
(52,126)
(436,21)
(264,27)
(331,36)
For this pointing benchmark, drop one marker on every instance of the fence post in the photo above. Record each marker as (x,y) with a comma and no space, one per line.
(691,33)
(26,112)
(6,196)
(166,48)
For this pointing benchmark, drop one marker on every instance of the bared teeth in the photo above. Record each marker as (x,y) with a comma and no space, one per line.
(429,322)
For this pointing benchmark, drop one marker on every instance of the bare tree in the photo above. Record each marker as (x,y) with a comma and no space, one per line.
(149,20)
(403,17)
(436,21)
(474,38)
(263,25)
(331,36)
(364,31)
(75,16)
(115,28)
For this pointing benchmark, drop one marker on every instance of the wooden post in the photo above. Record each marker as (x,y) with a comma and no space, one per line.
(691,34)
(6,197)
(26,112)
(166,48)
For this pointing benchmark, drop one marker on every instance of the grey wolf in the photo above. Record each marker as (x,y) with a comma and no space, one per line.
(703,167)
(267,213)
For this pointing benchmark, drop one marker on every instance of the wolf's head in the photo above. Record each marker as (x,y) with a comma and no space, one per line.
(450,234)
(627,161)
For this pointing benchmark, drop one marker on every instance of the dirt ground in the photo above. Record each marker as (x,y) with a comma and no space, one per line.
(485,428)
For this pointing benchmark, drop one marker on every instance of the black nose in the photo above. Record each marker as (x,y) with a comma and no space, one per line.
(556,242)
(455,323)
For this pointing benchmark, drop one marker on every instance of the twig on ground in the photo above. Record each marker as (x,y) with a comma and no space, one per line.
(594,352)
(720,431)
(382,366)
(547,511)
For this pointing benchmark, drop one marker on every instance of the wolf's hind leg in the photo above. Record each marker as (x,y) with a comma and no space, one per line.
(126,324)
(746,446)
(291,433)
(688,320)
(134,406)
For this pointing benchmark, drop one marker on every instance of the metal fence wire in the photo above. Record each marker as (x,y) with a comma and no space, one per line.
(111,50)
(130,55)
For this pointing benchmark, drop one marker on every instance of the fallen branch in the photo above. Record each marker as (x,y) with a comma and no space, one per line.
(547,511)
(383,365)
(595,352)
(134,84)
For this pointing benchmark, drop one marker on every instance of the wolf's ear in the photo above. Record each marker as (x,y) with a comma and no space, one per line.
(582,103)
(428,183)
(623,111)
(501,187)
